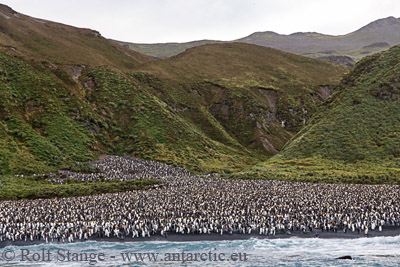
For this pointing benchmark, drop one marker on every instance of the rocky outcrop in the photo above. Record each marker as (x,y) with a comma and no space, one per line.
(342,60)
(387,91)
(344,258)
(75,71)
(378,44)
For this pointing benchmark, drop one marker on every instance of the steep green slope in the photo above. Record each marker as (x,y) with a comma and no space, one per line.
(353,138)
(50,120)
(361,120)
(252,95)
(146,126)
(68,95)
(34,108)
(196,110)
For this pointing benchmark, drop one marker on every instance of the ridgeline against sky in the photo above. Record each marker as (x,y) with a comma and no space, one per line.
(159,21)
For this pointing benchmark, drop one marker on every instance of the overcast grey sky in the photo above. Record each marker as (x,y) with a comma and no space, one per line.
(150,21)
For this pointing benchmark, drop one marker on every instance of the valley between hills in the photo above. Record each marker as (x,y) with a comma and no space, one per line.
(69,96)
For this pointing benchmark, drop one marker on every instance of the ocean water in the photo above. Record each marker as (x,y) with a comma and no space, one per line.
(377,251)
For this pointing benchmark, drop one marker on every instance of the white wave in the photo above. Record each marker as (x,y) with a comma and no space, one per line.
(376,251)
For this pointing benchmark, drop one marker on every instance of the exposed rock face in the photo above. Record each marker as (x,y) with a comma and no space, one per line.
(92,127)
(50,65)
(388,96)
(388,90)
(378,44)
(222,109)
(271,98)
(75,71)
(267,145)
(322,94)
(195,92)
(4,15)
(32,106)
(268,117)
(90,84)
(272,117)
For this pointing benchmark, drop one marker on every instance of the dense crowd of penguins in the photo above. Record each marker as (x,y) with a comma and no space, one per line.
(123,168)
(192,204)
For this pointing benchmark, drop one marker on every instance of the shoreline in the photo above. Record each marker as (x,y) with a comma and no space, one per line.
(389,231)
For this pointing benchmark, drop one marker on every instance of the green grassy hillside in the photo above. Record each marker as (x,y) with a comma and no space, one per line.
(361,120)
(239,93)
(54,115)
(49,121)
(68,95)
(37,129)
(354,138)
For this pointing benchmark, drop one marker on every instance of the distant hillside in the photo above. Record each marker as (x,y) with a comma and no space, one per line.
(342,60)
(372,38)
(164,50)
(360,122)
(61,43)
(356,45)
(215,107)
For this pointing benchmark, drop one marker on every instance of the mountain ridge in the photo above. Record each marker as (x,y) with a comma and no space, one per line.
(311,44)
(47,40)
